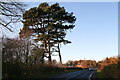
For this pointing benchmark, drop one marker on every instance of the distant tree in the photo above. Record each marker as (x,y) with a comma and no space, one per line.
(82,63)
(75,63)
(107,62)
(69,63)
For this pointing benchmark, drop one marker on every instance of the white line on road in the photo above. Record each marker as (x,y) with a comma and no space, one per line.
(90,76)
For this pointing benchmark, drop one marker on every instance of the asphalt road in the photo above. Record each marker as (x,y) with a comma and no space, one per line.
(78,75)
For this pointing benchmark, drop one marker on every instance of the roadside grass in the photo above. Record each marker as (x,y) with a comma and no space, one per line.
(99,75)
(47,75)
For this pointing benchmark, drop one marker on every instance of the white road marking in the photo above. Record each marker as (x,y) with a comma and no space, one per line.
(90,76)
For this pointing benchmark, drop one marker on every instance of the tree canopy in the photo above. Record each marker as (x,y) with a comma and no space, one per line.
(49,25)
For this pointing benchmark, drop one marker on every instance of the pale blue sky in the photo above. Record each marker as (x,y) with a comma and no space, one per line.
(95,35)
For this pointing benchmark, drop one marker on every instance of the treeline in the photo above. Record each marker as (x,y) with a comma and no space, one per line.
(110,67)
(107,61)
(81,63)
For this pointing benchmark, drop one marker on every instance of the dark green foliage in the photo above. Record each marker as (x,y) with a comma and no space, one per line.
(110,67)
(21,70)
(49,24)
(110,71)
(10,69)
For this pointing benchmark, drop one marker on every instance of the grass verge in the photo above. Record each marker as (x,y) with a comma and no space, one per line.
(99,75)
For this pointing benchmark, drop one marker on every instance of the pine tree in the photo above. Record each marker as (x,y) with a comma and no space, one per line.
(49,25)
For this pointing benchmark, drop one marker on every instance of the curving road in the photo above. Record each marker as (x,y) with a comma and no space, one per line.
(78,75)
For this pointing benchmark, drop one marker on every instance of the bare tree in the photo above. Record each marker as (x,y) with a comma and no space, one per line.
(10,12)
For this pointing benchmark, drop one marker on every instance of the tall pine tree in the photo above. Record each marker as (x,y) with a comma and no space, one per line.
(49,25)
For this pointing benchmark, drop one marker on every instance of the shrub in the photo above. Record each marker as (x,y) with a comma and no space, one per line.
(11,70)
(110,71)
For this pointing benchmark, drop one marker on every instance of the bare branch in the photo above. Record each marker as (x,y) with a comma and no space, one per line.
(11,12)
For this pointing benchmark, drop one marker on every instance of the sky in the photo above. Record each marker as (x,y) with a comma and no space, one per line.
(95,35)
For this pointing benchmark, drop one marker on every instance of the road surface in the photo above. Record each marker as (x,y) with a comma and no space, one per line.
(78,75)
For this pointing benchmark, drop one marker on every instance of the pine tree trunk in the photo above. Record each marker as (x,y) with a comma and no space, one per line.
(49,54)
(45,51)
(42,60)
(59,53)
